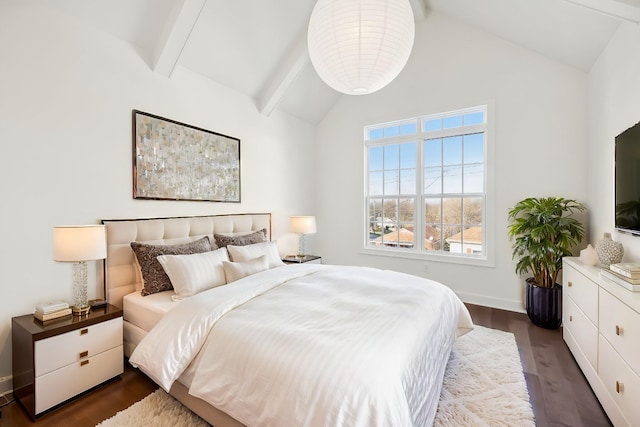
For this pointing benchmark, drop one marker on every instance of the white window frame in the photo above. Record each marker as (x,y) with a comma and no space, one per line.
(417,252)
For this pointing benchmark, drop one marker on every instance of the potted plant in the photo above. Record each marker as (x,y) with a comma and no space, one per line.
(543,231)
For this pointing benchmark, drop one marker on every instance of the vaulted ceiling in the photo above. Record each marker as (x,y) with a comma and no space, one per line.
(258,47)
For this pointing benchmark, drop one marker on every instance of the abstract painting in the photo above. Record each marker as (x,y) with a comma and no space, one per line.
(177,161)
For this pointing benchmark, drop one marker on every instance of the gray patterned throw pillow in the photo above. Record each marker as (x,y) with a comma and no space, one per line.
(154,277)
(223,240)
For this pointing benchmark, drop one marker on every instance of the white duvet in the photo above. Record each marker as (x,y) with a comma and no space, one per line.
(312,345)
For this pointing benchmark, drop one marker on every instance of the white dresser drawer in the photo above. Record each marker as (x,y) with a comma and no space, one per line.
(582,291)
(621,327)
(620,381)
(615,379)
(61,350)
(584,332)
(62,384)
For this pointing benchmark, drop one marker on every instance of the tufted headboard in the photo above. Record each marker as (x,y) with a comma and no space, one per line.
(120,269)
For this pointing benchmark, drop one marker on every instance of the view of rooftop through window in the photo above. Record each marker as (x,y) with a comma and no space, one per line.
(426,183)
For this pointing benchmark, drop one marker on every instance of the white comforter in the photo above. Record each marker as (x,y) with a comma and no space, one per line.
(312,345)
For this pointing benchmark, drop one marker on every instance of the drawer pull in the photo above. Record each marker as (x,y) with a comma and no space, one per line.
(84,353)
(619,330)
(619,387)
(570,318)
(570,284)
(84,331)
(86,362)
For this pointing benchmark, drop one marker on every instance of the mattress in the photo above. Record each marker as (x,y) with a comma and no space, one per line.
(141,314)
(145,312)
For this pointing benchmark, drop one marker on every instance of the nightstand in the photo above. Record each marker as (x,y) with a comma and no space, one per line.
(311,259)
(57,360)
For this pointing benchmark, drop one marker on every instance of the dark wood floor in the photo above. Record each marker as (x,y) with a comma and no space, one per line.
(89,409)
(560,395)
(559,392)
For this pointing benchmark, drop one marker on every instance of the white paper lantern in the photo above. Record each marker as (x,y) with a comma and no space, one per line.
(359,46)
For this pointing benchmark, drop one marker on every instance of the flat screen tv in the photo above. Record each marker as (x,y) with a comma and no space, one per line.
(627,180)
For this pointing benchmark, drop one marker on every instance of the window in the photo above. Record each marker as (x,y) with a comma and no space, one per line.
(426,185)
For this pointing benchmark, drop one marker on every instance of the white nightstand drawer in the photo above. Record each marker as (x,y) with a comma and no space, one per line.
(582,291)
(620,381)
(621,327)
(584,332)
(61,350)
(62,384)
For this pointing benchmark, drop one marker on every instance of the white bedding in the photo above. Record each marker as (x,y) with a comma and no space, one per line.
(312,345)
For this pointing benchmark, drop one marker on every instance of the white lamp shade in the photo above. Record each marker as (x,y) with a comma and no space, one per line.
(303,224)
(79,243)
(360,46)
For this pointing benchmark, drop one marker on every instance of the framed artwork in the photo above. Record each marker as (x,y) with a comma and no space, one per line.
(177,161)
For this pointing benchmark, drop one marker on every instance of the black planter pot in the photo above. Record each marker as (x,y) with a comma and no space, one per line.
(544,305)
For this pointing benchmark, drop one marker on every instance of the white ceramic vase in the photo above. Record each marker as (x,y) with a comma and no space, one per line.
(609,251)
(588,256)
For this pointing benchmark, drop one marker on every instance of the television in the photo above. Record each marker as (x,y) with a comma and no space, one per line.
(627,180)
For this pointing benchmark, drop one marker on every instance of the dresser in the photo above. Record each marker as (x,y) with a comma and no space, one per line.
(56,360)
(601,326)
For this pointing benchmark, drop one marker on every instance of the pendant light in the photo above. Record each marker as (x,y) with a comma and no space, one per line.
(359,46)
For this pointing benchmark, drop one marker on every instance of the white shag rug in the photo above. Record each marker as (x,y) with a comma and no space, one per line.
(483,386)
(158,409)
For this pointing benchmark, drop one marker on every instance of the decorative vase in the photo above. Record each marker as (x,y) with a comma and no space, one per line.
(609,251)
(544,305)
(588,256)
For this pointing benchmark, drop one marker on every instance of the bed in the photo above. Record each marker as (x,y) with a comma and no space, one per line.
(300,344)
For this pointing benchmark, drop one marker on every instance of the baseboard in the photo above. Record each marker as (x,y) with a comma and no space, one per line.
(6,385)
(502,304)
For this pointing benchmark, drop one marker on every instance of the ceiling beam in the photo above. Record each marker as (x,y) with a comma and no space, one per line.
(621,9)
(175,34)
(285,75)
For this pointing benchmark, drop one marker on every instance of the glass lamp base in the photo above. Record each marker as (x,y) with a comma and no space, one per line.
(301,247)
(80,304)
(80,311)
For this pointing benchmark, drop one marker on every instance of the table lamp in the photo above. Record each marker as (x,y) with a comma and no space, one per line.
(302,225)
(79,244)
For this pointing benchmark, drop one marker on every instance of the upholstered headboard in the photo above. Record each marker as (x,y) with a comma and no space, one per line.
(121,272)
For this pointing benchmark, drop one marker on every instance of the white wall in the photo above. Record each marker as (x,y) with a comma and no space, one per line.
(66,95)
(614,105)
(540,145)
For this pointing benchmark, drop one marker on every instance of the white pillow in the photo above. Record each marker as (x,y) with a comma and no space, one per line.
(248,252)
(194,273)
(237,270)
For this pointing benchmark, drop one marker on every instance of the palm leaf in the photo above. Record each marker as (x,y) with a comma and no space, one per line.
(543,231)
